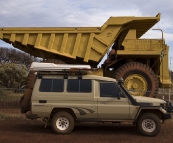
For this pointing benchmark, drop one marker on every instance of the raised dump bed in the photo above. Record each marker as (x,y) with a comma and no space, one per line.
(84,44)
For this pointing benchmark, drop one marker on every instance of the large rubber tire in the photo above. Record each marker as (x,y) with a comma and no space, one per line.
(31,79)
(62,123)
(139,79)
(149,124)
(25,101)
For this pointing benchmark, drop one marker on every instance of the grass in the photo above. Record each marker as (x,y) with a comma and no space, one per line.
(9,95)
(6,116)
(3,117)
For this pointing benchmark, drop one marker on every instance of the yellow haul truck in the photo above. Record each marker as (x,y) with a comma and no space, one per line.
(143,63)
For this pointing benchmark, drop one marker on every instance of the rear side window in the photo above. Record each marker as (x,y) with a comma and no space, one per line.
(46,85)
(52,85)
(58,85)
(79,85)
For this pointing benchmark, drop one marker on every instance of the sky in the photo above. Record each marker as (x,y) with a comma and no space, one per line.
(73,13)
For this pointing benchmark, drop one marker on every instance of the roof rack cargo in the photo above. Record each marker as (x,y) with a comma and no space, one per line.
(36,66)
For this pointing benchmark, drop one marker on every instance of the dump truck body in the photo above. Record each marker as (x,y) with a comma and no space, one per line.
(88,45)
(83,44)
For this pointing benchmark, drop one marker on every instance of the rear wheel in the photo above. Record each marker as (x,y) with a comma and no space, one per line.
(149,124)
(62,123)
(139,79)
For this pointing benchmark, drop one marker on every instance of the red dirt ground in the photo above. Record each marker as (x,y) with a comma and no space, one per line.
(15,128)
(21,130)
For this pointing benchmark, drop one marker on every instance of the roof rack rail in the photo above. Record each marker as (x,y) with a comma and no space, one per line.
(51,67)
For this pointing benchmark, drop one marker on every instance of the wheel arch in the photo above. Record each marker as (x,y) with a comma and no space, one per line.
(68,110)
(156,112)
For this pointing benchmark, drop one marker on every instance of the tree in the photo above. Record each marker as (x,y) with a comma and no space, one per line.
(11,55)
(14,67)
(13,75)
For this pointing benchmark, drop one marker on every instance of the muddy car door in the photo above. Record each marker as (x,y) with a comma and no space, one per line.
(112,103)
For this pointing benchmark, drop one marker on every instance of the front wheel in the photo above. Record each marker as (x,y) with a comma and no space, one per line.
(62,123)
(149,124)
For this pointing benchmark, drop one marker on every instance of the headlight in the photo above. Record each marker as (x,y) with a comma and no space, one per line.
(168,106)
(163,104)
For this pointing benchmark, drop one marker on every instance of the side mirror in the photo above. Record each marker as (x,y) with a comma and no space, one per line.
(120,81)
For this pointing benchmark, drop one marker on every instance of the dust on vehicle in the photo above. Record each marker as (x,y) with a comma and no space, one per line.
(66,94)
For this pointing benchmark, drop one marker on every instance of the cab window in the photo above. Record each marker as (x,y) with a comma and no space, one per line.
(110,89)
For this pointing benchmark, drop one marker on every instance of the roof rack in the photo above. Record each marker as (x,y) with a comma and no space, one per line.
(36,66)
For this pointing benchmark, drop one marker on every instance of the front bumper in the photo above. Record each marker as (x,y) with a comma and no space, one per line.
(169,107)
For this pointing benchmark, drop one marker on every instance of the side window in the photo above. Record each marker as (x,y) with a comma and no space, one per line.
(52,85)
(85,85)
(110,89)
(79,85)
(73,85)
(58,85)
(45,85)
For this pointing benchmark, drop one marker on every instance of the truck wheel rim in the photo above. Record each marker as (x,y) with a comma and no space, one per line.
(148,125)
(62,123)
(136,84)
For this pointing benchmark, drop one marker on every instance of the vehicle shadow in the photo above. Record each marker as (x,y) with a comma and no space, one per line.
(104,129)
(38,127)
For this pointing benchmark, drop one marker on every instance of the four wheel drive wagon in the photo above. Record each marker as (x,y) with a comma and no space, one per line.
(66,94)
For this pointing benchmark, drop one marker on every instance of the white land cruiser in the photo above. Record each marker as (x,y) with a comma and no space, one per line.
(65,94)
